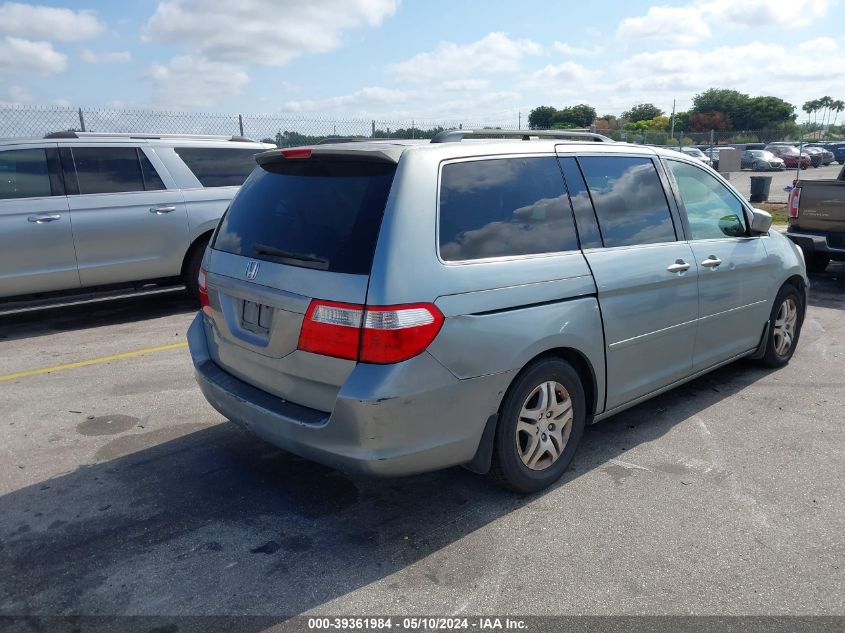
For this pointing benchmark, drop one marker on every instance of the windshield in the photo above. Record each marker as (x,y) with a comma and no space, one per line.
(692,151)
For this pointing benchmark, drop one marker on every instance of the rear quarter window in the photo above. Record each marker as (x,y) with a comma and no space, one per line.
(504,207)
(219,166)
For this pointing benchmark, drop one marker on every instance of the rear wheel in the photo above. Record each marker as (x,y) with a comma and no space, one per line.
(192,268)
(816,262)
(784,327)
(541,422)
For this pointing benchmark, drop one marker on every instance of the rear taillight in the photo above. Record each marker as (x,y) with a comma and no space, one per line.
(202,283)
(371,334)
(794,200)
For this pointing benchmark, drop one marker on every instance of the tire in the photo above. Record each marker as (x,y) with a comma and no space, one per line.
(558,428)
(776,354)
(816,262)
(192,268)
(756,167)
(803,166)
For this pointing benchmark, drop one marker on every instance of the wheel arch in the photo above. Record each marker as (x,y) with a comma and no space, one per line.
(482,460)
(199,242)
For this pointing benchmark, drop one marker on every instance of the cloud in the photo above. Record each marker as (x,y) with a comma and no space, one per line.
(565,72)
(195,82)
(115,57)
(16,96)
(747,67)
(50,23)
(266,32)
(492,54)
(574,51)
(690,24)
(18,55)
(465,85)
(681,25)
(371,96)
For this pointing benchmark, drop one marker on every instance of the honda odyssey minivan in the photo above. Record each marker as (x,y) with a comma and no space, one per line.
(395,307)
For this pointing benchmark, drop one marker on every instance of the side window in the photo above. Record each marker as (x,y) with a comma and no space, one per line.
(219,166)
(24,173)
(629,200)
(152,181)
(713,212)
(503,207)
(108,169)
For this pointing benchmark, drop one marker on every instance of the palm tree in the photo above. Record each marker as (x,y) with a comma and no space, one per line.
(825,102)
(837,106)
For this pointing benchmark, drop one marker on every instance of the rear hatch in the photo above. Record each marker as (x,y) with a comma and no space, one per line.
(819,206)
(303,226)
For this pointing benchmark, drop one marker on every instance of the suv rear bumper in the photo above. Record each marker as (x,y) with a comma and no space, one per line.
(815,243)
(388,420)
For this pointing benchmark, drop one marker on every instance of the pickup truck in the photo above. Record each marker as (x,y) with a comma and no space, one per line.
(817,220)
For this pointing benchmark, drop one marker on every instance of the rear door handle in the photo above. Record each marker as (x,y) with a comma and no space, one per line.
(711,262)
(678,267)
(161,210)
(43,219)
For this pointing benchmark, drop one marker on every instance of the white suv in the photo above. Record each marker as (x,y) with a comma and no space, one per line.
(96,212)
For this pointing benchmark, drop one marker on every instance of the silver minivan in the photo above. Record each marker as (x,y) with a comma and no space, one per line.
(84,211)
(402,306)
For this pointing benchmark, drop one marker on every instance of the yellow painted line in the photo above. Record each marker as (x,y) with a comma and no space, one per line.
(91,361)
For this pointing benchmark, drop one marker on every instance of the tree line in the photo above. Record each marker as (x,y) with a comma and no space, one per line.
(719,109)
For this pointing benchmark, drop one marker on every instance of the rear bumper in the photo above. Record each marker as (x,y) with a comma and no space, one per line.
(388,420)
(815,243)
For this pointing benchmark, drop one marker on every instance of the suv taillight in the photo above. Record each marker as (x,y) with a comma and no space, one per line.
(370,334)
(794,199)
(202,284)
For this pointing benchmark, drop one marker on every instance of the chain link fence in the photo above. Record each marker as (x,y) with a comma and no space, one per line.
(713,137)
(284,130)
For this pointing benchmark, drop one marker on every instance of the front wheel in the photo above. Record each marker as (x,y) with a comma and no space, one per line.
(541,422)
(785,322)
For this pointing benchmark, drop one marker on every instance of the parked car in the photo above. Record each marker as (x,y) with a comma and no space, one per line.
(398,307)
(696,153)
(790,155)
(827,155)
(817,220)
(838,149)
(85,212)
(816,155)
(761,160)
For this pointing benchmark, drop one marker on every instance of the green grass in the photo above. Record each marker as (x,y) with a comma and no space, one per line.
(777,209)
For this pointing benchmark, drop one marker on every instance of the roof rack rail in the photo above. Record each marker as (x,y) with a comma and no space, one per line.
(454,136)
(145,136)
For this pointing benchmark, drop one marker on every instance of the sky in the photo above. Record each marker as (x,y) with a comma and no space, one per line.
(424,59)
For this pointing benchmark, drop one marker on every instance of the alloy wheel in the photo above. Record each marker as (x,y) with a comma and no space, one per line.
(785,324)
(544,425)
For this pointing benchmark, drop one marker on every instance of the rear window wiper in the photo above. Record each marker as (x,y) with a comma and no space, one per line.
(272,251)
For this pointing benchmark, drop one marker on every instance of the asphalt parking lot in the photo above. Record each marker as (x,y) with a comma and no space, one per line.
(123,492)
(741,180)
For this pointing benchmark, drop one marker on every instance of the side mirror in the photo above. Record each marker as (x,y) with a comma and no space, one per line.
(761,221)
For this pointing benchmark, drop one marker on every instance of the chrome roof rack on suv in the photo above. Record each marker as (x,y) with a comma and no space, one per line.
(142,135)
(454,136)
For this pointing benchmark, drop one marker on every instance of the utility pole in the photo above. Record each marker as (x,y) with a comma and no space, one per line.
(520,121)
(673,119)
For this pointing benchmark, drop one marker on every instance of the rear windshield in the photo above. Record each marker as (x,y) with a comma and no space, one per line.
(313,213)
